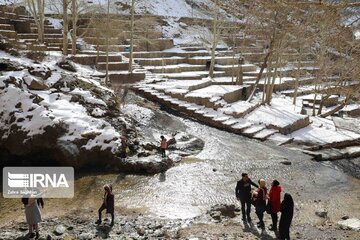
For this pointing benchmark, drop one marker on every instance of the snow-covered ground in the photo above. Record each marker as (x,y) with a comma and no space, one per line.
(55,106)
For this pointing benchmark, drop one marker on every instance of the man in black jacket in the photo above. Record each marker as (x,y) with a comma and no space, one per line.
(243,193)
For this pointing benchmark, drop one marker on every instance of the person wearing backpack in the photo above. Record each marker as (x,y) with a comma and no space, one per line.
(108,204)
(260,202)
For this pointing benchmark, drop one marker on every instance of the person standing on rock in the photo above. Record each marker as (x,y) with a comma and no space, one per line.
(243,193)
(287,212)
(274,201)
(32,214)
(124,147)
(260,202)
(163,146)
(108,204)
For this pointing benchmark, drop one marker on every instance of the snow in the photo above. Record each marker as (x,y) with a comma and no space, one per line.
(323,131)
(88,96)
(97,112)
(213,91)
(140,114)
(238,107)
(276,116)
(55,108)
(56,23)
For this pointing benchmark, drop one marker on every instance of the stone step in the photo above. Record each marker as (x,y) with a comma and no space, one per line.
(176,68)
(53,41)
(125,78)
(8,15)
(160,61)
(4,20)
(7,27)
(115,48)
(265,134)
(113,66)
(190,75)
(253,130)
(27,35)
(8,33)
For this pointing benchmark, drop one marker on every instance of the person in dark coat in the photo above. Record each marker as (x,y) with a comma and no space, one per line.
(274,201)
(260,202)
(243,193)
(287,212)
(108,204)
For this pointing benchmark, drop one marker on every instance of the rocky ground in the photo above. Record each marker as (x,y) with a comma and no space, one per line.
(220,222)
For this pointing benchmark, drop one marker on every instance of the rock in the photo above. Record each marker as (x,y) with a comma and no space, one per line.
(141,231)
(90,134)
(40,71)
(225,210)
(17,82)
(48,237)
(23,228)
(321,213)
(34,84)
(86,236)
(286,163)
(345,217)
(350,224)
(216,215)
(59,230)
(67,65)
(149,146)
(7,65)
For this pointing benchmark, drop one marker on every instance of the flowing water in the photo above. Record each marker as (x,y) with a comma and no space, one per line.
(195,184)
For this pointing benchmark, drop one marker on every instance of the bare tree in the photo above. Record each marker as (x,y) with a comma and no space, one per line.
(37,9)
(131,36)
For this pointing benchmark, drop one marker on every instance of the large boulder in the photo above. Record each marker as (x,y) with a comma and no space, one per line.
(40,71)
(7,65)
(35,84)
(350,224)
(146,165)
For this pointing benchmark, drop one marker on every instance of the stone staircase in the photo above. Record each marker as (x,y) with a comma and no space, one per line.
(20,29)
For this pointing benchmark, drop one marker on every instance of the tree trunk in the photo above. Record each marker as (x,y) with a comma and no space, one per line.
(131,36)
(107,43)
(65,27)
(271,87)
(74,17)
(214,40)
(338,108)
(259,76)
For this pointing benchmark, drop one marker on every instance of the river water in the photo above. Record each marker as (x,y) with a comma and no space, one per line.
(196,183)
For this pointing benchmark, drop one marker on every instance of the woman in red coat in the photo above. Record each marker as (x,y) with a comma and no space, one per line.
(274,200)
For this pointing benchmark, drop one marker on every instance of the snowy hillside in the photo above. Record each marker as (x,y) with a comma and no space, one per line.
(174,8)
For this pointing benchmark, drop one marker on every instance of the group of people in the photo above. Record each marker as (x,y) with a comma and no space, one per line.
(264,201)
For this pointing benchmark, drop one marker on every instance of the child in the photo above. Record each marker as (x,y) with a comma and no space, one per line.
(163,146)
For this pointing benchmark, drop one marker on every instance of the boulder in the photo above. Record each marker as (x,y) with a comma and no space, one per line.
(67,65)
(350,224)
(40,71)
(34,84)
(224,209)
(59,230)
(146,165)
(321,213)
(7,65)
